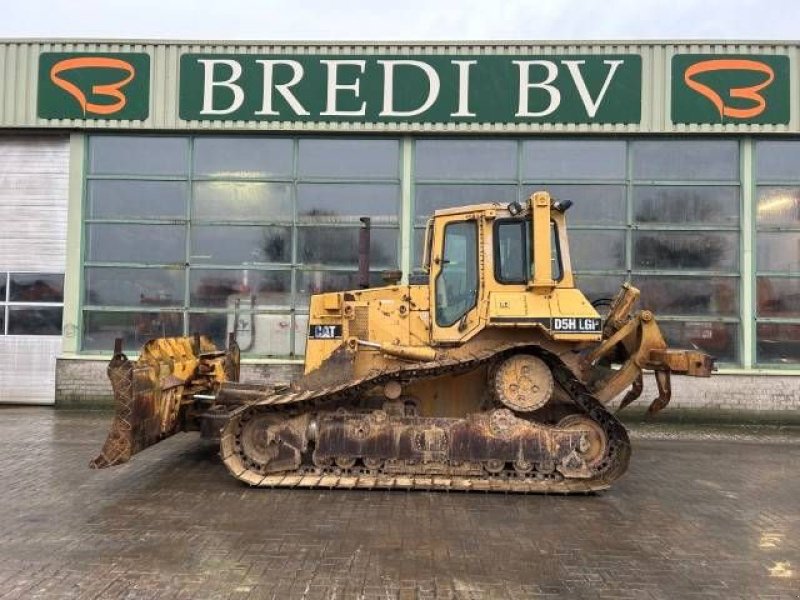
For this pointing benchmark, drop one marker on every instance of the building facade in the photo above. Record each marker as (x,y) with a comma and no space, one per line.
(159,188)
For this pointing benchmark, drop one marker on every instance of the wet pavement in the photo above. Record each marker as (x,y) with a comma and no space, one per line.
(702,513)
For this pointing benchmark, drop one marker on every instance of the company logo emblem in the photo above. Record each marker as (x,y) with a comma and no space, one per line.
(709,88)
(110,90)
(94,86)
(750,92)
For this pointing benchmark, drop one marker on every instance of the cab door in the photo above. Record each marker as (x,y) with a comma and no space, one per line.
(455,278)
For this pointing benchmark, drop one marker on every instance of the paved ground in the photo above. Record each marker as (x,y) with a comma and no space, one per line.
(701,514)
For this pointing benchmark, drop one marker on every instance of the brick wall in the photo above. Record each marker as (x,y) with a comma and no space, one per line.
(83,383)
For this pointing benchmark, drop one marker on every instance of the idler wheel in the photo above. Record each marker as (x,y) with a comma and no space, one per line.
(523,383)
(596,442)
(259,440)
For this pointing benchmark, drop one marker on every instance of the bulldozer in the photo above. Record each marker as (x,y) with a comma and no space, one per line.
(491,373)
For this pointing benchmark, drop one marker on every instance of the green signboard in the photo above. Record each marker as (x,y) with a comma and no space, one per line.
(600,88)
(94,86)
(726,88)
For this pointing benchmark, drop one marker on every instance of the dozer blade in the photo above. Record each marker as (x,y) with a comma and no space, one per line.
(151,394)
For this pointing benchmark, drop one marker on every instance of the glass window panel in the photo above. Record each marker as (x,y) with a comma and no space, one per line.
(240,245)
(225,288)
(685,204)
(323,246)
(36,287)
(319,282)
(778,252)
(465,159)
(573,159)
(3,286)
(591,204)
(354,158)
(135,328)
(138,155)
(242,201)
(243,157)
(685,159)
(261,334)
(720,340)
(2,320)
(341,203)
(434,197)
(131,199)
(718,296)
(158,244)
(778,343)
(595,249)
(778,297)
(682,250)
(133,287)
(215,325)
(778,205)
(778,160)
(34,321)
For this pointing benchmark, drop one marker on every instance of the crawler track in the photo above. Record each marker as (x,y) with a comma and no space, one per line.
(447,476)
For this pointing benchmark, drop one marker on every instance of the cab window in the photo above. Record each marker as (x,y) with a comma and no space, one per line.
(457,282)
(512,254)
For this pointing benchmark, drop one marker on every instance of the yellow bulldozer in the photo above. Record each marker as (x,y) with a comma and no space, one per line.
(492,374)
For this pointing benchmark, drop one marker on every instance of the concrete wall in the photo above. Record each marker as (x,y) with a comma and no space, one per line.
(83,383)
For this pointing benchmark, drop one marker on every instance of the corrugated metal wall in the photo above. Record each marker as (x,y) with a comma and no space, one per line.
(19,60)
(33,228)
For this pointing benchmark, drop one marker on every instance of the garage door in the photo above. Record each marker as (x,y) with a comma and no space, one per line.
(33,227)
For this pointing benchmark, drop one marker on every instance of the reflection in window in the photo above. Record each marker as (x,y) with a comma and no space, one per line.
(242,201)
(686,250)
(574,159)
(242,157)
(675,160)
(720,340)
(31,303)
(100,329)
(339,247)
(36,287)
(778,296)
(346,203)
(778,205)
(225,288)
(149,244)
(34,321)
(134,199)
(465,159)
(138,155)
(457,282)
(689,205)
(595,250)
(668,295)
(115,286)
(240,245)
(778,343)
